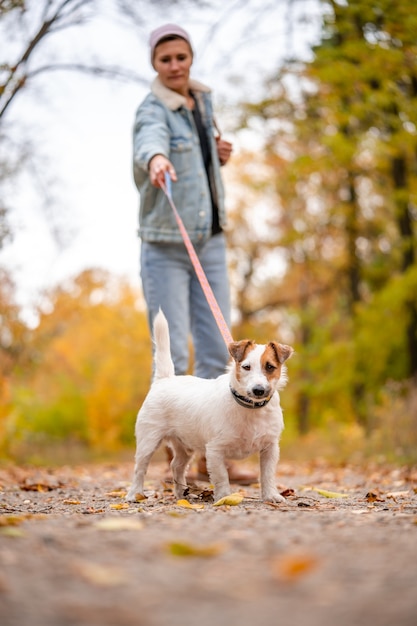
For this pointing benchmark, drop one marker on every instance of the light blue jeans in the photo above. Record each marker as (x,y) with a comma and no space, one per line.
(170,283)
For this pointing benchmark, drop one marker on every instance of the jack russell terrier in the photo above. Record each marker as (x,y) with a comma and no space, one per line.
(229,417)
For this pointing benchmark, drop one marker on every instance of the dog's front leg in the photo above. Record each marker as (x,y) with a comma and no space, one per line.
(141,465)
(269,457)
(217,470)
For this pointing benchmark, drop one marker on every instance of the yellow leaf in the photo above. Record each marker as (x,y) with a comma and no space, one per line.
(331,494)
(15,520)
(178,548)
(118,523)
(71,502)
(116,494)
(12,532)
(11,520)
(327,494)
(187,505)
(119,507)
(231,500)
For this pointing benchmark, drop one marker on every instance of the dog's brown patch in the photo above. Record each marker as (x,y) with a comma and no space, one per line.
(282,352)
(239,349)
(270,361)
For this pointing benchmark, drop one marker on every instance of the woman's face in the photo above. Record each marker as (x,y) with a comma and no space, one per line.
(173,60)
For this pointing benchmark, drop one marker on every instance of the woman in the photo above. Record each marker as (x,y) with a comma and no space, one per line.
(175,133)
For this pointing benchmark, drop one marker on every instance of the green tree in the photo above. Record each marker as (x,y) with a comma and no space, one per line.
(340,158)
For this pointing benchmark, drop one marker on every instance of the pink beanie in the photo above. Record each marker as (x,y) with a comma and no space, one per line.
(164,31)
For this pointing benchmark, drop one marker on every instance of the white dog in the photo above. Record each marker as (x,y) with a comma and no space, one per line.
(229,417)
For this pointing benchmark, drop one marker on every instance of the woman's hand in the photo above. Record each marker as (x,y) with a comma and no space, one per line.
(158,165)
(224,150)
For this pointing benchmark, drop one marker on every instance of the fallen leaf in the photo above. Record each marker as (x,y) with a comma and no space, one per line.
(11,520)
(139,497)
(116,494)
(374,496)
(118,523)
(101,575)
(178,548)
(187,505)
(231,500)
(40,485)
(206,495)
(119,507)
(286,493)
(11,531)
(15,520)
(71,502)
(275,505)
(397,494)
(327,494)
(35,487)
(291,567)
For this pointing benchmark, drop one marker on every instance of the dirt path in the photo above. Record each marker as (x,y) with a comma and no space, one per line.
(73,553)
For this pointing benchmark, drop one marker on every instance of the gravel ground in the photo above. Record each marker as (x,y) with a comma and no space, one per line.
(73,552)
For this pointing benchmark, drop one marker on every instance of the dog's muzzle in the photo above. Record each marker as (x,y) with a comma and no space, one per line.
(260,392)
(249,403)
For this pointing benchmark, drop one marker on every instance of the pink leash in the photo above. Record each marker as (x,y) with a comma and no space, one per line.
(208,292)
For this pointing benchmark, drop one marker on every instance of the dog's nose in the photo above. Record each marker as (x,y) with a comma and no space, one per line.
(258,391)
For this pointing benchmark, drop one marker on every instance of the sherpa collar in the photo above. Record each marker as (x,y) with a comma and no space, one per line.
(172,99)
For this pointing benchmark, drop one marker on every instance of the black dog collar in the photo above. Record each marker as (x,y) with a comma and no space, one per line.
(248,402)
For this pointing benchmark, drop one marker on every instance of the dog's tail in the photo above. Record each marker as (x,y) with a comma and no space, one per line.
(164,367)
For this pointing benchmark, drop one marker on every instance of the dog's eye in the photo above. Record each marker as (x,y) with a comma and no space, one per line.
(269,367)
(246,367)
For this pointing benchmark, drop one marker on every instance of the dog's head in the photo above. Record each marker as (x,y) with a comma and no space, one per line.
(259,370)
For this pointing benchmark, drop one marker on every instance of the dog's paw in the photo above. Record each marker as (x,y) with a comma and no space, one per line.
(134,496)
(273,496)
(181,492)
(219,495)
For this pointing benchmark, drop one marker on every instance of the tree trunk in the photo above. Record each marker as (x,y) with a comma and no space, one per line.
(405,226)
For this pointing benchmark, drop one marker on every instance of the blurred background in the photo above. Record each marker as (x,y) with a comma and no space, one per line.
(320,101)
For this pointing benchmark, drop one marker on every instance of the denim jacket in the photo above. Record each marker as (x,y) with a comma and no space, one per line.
(164,125)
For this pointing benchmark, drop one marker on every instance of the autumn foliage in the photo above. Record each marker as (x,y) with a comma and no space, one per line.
(83,371)
(324,240)
(323,256)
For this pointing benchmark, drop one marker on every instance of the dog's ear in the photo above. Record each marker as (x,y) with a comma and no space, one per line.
(238,349)
(282,351)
